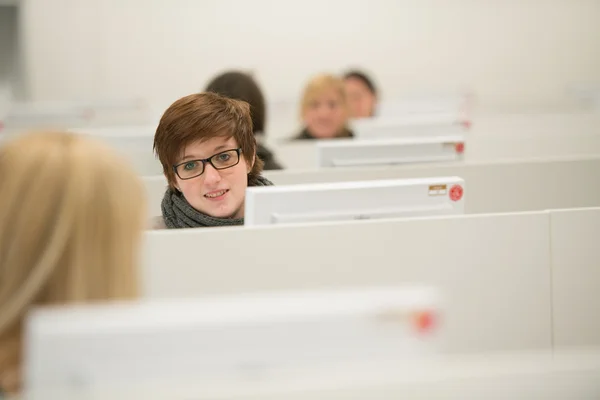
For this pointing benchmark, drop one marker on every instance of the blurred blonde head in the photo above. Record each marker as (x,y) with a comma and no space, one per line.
(71,217)
(324,108)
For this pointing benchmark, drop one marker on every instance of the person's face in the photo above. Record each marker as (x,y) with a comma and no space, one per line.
(361,100)
(326,115)
(217,193)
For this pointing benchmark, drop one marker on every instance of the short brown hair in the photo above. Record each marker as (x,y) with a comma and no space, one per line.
(200,117)
(241,86)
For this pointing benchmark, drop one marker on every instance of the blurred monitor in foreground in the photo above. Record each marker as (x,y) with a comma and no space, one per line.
(225,340)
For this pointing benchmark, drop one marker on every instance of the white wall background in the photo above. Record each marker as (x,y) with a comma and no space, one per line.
(517,52)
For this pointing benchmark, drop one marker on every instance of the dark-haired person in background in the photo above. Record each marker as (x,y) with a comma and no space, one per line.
(361,93)
(241,86)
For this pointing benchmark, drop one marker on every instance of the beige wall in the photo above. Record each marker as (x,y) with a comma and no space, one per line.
(519,52)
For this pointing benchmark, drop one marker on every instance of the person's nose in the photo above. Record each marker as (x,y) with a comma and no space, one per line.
(323,112)
(211,175)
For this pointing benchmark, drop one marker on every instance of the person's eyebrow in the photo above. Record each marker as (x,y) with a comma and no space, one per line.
(193,157)
(188,157)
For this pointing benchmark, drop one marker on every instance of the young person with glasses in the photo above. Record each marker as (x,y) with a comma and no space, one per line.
(206,145)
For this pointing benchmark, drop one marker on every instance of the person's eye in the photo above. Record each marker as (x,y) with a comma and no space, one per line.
(224,157)
(190,165)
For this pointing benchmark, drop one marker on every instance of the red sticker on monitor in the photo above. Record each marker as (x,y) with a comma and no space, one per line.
(456,193)
(424,321)
(459,147)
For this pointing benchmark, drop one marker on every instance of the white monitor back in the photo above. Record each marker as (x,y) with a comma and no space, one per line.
(426,125)
(22,117)
(342,201)
(357,153)
(134,142)
(427,103)
(226,339)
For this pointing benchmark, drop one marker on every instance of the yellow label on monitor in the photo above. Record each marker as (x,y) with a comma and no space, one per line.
(438,190)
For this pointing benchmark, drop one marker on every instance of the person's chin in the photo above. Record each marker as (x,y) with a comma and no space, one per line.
(221,214)
(224,212)
(325,135)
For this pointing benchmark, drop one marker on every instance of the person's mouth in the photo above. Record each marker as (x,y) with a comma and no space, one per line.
(217,194)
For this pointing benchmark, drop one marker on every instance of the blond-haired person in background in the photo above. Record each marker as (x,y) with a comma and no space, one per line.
(71,217)
(324,109)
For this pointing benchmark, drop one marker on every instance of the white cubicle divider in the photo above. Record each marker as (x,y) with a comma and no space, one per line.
(135,137)
(343,201)
(213,341)
(538,123)
(507,186)
(502,186)
(493,270)
(361,153)
(442,124)
(426,104)
(23,116)
(482,148)
(541,375)
(134,142)
(576,276)
(532,375)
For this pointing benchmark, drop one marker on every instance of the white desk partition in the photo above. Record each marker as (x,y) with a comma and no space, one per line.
(128,138)
(580,122)
(531,375)
(227,338)
(575,242)
(62,115)
(516,376)
(517,145)
(437,124)
(503,186)
(506,186)
(397,151)
(514,144)
(492,269)
(134,142)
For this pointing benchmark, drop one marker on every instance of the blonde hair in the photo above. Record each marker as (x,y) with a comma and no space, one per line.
(319,84)
(71,218)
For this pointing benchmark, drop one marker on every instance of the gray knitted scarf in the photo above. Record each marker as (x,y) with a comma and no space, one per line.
(178,213)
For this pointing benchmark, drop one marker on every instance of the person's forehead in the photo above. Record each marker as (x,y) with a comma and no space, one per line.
(327,94)
(356,84)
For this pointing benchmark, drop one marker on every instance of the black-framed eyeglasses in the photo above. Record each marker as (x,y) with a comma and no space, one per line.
(193,168)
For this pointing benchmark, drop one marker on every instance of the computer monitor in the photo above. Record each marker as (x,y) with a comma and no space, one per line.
(133,142)
(358,153)
(22,117)
(418,125)
(226,340)
(343,201)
